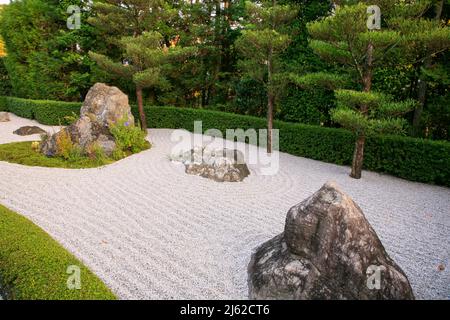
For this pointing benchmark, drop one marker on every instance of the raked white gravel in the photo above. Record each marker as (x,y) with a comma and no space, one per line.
(150,231)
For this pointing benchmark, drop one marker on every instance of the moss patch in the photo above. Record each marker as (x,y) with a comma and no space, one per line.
(34,266)
(23,153)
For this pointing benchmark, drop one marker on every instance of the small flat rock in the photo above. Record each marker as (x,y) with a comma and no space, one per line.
(29,130)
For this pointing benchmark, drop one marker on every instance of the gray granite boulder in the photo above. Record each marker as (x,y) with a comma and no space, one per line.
(221,165)
(328,250)
(103,106)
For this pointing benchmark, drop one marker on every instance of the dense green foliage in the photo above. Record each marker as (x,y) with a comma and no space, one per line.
(347,40)
(33,265)
(46,60)
(306,106)
(263,39)
(129,139)
(297,104)
(5,83)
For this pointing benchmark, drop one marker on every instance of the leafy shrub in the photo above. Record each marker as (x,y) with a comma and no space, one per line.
(72,118)
(129,138)
(65,148)
(95,152)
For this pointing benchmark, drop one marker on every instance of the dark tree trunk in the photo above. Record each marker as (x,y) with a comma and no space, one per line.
(141,109)
(421,97)
(358,157)
(270,103)
(358,154)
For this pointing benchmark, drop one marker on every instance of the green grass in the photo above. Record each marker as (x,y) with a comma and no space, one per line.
(34,266)
(22,153)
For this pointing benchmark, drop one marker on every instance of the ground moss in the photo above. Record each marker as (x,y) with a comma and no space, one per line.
(23,153)
(34,266)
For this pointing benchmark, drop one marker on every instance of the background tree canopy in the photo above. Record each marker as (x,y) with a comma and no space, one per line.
(46,60)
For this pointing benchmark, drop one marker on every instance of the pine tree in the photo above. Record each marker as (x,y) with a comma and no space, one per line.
(261,44)
(344,38)
(147,60)
(119,20)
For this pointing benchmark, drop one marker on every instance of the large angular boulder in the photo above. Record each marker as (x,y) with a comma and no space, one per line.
(328,250)
(103,106)
(4,116)
(220,165)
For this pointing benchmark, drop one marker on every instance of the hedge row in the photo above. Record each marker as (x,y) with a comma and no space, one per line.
(412,159)
(44,111)
(34,266)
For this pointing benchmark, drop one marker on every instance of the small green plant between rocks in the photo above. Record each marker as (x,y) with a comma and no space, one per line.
(129,139)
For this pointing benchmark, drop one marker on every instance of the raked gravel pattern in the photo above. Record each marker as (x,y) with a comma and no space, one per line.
(150,231)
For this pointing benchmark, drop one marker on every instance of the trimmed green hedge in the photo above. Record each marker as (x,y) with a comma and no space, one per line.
(51,112)
(3,103)
(412,159)
(34,266)
(44,111)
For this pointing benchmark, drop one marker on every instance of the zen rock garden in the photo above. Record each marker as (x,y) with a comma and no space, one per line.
(262,150)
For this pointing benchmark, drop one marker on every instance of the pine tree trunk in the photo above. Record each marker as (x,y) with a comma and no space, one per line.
(421,97)
(270,103)
(358,154)
(358,157)
(141,109)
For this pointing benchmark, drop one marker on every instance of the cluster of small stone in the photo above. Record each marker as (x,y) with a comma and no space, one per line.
(221,165)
